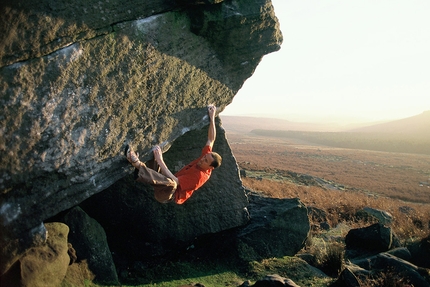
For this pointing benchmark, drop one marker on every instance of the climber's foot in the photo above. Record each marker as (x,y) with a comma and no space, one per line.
(132,157)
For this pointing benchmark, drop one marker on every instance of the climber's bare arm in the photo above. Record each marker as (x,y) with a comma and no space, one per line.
(212,128)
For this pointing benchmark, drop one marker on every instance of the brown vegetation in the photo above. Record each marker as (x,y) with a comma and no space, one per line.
(389,142)
(386,181)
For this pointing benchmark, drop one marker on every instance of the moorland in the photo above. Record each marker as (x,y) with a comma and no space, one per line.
(338,180)
(349,169)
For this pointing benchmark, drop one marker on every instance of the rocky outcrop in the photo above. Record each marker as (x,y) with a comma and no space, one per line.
(376,237)
(278,227)
(42,266)
(388,264)
(272,280)
(81,79)
(381,216)
(420,252)
(374,254)
(89,241)
(138,226)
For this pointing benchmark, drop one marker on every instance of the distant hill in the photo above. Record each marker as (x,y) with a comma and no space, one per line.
(240,124)
(416,125)
(409,135)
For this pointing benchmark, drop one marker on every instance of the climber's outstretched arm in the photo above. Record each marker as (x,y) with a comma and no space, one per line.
(212,128)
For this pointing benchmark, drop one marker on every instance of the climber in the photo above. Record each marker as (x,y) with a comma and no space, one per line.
(180,186)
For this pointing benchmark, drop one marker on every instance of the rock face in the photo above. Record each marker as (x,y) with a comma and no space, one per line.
(79,79)
(385,262)
(376,237)
(275,280)
(382,216)
(377,253)
(42,266)
(278,227)
(89,240)
(131,216)
(421,252)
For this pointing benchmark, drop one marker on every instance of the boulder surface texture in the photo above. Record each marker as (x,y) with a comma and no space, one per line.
(278,227)
(89,241)
(80,79)
(44,265)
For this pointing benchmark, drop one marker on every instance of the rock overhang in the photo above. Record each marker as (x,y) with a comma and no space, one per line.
(85,84)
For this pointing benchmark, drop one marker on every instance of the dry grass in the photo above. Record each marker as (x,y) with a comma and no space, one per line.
(387,279)
(395,175)
(342,206)
(385,181)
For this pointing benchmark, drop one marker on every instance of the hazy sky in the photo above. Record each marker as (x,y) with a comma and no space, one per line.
(352,60)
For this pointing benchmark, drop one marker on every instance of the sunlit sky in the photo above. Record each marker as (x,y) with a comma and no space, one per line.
(344,61)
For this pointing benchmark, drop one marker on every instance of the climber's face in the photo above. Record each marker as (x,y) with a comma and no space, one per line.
(206,161)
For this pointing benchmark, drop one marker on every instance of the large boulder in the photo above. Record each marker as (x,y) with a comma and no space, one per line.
(420,252)
(274,280)
(139,227)
(374,238)
(82,78)
(385,262)
(382,216)
(352,276)
(277,228)
(42,266)
(89,241)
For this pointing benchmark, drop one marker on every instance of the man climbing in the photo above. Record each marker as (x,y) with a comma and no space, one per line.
(180,186)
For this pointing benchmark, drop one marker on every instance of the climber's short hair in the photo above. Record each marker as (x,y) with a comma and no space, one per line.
(217,160)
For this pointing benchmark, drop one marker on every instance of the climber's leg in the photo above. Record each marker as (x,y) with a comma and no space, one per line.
(164,187)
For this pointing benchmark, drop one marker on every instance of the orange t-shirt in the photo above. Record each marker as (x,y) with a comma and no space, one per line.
(191,177)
